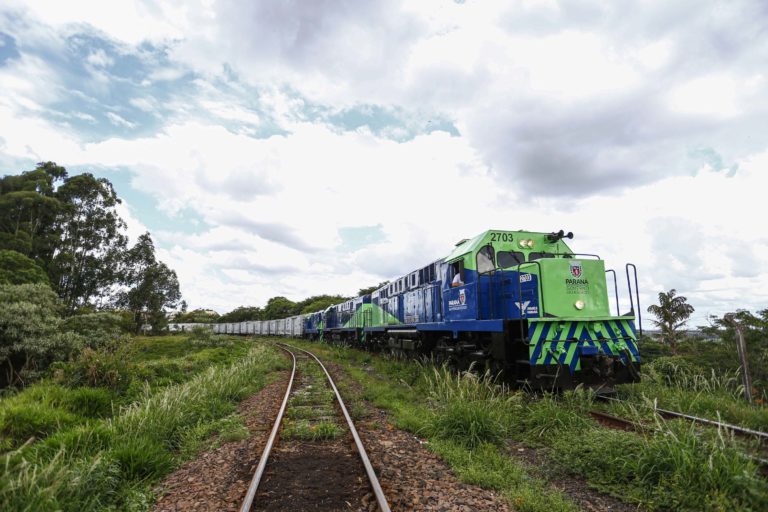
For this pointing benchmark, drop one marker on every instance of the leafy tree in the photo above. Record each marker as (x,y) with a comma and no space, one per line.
(279,307)
(29,209)
(242,314)
(87,257)
(371,289)
(319,303)
(30,339)
(672,313)
(15,268)
(152,287)
(200,316)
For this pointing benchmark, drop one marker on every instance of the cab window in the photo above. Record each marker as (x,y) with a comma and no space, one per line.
(508,259)
(485,259)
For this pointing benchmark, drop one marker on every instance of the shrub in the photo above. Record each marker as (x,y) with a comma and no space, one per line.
(202,336)
(96,369)
(29,332)
(100,331)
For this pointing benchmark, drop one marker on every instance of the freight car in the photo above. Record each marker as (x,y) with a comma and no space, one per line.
(518,302)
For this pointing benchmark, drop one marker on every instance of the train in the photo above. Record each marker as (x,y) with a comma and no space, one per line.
(517,303)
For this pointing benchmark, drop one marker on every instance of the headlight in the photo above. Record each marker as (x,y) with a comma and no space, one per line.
(530,244)
(523,243)
(579,304)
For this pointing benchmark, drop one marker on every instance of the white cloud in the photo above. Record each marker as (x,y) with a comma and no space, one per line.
(118,120)
(615,123)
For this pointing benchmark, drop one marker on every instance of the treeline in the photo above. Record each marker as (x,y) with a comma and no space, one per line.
(64,253)
(276,308)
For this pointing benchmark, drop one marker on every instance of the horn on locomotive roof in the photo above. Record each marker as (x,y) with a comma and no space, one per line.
(554,237)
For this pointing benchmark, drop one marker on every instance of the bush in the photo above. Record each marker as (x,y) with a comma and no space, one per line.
(96,369)
(30,340)
(100,331)
(202,336)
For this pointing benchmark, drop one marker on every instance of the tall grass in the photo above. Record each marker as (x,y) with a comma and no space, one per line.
(469,408)
(673,383)
(96,467)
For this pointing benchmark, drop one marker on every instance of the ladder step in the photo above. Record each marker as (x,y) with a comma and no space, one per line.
(523,361)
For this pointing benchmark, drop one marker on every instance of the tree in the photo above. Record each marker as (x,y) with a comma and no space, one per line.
(30,338)
(319,303)
(672,313)
(371,289)
(279,307)
(198,316)
(242,314)
(87,257)
(152,287)
(69,226)
(15,268)
(28,211)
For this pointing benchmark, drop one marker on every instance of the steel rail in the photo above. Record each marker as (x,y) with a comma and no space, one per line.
(254,485)
(372,478)
(742,431)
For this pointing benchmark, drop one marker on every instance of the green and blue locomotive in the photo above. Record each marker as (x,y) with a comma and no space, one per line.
(518,302)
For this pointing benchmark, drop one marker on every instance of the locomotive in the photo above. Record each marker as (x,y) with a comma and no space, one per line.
(519,303)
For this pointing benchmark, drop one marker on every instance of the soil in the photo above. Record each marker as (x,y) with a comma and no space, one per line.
(314,475)
(218,479)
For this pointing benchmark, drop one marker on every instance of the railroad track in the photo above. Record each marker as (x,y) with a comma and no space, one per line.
(616,422)
(311,465)
(761,437)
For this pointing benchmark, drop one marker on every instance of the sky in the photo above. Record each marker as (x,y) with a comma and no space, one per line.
(303,148)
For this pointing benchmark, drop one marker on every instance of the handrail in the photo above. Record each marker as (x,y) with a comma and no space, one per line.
(616,290)
(637,296)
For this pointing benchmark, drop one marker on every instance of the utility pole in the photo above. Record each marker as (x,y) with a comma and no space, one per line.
(741,348)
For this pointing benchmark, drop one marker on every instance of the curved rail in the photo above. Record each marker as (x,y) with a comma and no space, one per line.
(248,501)
(372,478)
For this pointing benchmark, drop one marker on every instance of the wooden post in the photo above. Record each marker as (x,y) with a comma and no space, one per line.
(741,348)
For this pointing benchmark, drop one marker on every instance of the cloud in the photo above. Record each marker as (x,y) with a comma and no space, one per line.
(276,127)
(118,120)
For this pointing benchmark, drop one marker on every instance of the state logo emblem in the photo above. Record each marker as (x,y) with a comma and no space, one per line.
(576,270)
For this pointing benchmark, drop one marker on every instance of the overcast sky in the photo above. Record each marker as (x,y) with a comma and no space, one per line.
(299,148)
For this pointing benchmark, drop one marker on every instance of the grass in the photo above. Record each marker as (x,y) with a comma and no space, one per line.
(673,383)
(111,463)
(311,431)
(82,391)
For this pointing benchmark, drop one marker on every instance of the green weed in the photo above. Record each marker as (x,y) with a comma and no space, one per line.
(307,431)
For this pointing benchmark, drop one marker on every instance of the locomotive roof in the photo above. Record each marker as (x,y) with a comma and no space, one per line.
(473,244)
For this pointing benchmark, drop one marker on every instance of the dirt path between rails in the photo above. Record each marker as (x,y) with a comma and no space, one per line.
(324,474)
(218,479)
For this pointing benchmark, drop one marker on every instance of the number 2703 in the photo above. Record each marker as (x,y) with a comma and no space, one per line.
(501,237)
